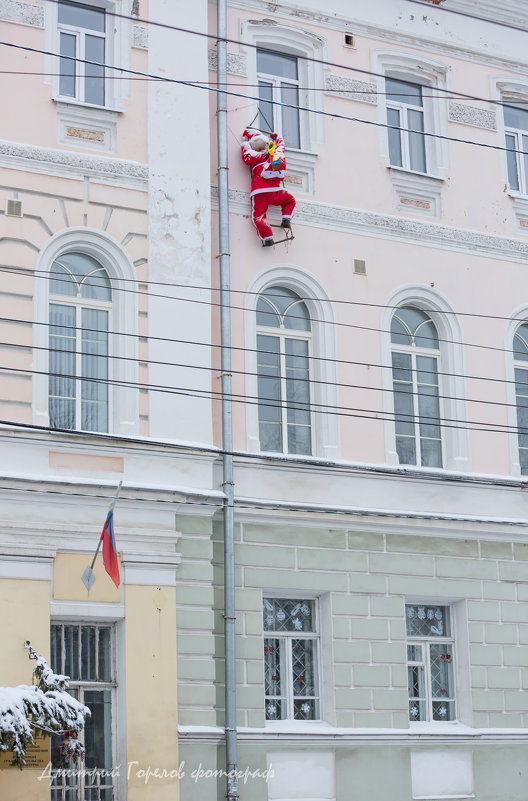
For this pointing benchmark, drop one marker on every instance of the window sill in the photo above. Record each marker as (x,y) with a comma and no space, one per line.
(416,192)
(72,101)
(300,169)
(86,126)
(520,209)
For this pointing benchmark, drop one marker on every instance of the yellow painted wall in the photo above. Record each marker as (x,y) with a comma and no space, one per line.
(67,584)
(151,698)
(24,615)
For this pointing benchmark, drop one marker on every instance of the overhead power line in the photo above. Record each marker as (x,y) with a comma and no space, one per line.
(309,406)
(322,321)
(242,349)
(206,368)
(320,112)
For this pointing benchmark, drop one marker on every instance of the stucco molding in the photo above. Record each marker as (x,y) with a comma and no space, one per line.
(236,62)
(360,91)
(385,226)
(471,115)
(150,569)
(140,37)
(30,158)
(22,13)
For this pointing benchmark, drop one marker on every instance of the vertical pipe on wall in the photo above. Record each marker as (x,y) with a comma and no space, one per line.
(227,421)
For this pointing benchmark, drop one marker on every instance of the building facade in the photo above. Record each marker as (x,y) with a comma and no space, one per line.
(379,385)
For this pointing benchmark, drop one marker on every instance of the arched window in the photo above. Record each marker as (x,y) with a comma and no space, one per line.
(415,357)
(283,367)
(520,356)
(80,306)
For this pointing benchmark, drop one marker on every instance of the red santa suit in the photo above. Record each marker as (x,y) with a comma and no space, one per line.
(266,183)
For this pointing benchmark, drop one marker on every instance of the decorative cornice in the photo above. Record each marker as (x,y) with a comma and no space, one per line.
(472,115)
(140,37)
(385,226)
(236,62)
(22,13)
(361,91)
(65,163)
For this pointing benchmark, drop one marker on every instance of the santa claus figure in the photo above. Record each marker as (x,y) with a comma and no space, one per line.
(265,156)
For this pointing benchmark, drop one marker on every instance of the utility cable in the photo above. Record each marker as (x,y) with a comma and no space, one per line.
(320,112)
(304,406)
(305,381)
(272,314)
(242,349)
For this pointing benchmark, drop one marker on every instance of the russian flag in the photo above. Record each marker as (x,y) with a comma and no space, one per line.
(110,559)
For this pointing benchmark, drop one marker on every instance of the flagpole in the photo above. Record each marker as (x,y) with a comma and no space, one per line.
(114,500)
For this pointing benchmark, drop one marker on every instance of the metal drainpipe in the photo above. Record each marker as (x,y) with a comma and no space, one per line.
(227,418)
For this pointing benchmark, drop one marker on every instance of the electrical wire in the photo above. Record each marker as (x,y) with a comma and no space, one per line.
(326,90)
(320,112)
(305,381)
(242,349)
(410,471)
(304,406)
(272,314)
(252,45)
(147,282)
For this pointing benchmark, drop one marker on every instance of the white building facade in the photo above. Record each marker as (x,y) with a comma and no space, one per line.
(379,383)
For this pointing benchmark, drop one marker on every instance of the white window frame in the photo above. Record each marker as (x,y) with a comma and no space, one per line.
(455,439)
(80,303)
(518,317)
(426,642)
(293,41)
(118,45)
(403,110)
(276,82)
(323,367)
(282,334)
(80,53)
(430,75)
(288,636)
(522,170)
(123,399)
(433,353)
(82,685)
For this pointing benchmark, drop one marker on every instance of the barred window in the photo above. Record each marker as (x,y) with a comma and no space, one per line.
(291,659)
(85,653)
(430,658)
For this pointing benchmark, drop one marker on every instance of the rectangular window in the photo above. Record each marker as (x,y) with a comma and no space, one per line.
(521,396)
(85,653)
(82,32)
(516,134)
(417,409)
(405,117)
(430,656)
(284,394)
(291,659)
(278,82)
(78,350)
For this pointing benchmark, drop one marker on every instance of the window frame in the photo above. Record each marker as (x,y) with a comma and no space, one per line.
(429,74)
(323,368)
(80,686)
(112,256)
(80,53)
(414,352)
(292,41)
(457,452)
(276,82)
(425,642)
(516,364)
(405,127)
(518,135)
(288,637)
(117,52)
(79,303)
(282,334)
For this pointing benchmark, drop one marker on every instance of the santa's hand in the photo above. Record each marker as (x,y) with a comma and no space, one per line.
(274,136)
